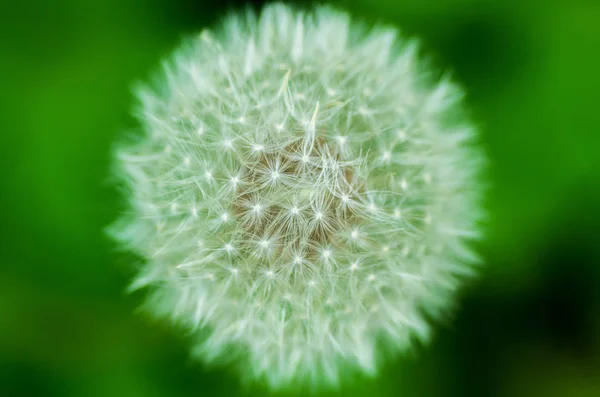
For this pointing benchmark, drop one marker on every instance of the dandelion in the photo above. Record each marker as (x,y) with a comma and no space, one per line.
(303,192)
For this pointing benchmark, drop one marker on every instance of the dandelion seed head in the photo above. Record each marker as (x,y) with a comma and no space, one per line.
(303,191)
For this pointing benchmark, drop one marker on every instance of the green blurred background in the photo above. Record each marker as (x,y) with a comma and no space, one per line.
(530,326)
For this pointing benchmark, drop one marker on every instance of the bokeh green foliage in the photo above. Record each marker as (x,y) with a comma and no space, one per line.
(530,326)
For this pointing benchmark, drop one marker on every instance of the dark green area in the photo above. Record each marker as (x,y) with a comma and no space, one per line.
(530,326)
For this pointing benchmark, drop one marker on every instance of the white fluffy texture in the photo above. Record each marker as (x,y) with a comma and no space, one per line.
(303,191)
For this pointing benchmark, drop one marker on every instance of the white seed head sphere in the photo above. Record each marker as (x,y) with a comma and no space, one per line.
(304,191)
